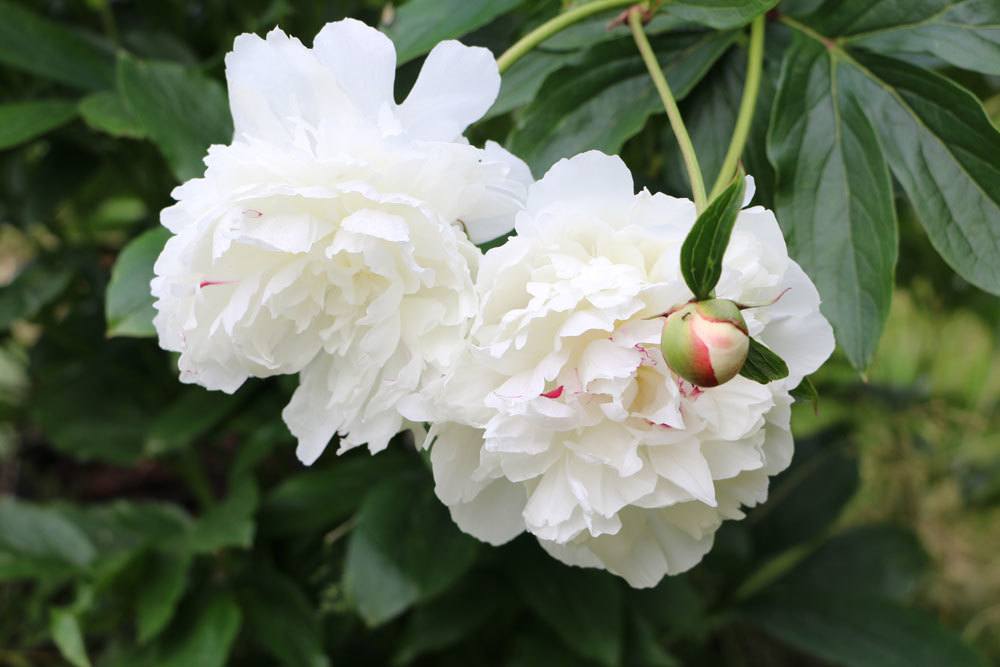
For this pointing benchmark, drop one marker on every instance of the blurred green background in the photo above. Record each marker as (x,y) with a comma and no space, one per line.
(150,523)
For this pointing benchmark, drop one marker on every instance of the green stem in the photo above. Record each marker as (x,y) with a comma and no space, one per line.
(673,113)
(755,60)
(552,26)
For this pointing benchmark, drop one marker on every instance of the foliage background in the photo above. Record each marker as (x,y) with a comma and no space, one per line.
(149,523)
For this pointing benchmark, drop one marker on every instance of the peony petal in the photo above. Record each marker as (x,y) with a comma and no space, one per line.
(363,61)
(494,515)
(594,183)
(456,86)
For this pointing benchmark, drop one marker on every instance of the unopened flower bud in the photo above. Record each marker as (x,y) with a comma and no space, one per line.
(706,342)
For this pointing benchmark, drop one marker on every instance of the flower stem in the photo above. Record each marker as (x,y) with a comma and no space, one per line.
(552,26)
(755,60)
(673,113)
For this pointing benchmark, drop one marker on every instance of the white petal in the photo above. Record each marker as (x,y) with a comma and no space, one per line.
(363,61)
(683,464)
(456,86)
(592,182)
(494,515)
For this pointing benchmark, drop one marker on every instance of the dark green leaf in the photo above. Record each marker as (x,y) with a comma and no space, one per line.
(448,619)
(35,287)
(584,607)
(420,24)
(763,365)
(34,44)
(282,620)
(24,121)
(106,112)
(607,97)
(32,532)
(397,557)
(228,524)
(65,630)
(706,243)
(805,499)
(521,83)
(834,197)
(164,581)
(317,499)
(965,33)
(129,304)
(179,108)
(806,391)
(941,147)
(185,420)
(206,634)
(859,632)
(719,14)
(878,561)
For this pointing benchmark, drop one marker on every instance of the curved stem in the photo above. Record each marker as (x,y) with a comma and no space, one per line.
(673,113)
(552,26)
(755,60)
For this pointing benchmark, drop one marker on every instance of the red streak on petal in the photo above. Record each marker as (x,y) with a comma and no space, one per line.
(252,213)
(209,283)
(555,393)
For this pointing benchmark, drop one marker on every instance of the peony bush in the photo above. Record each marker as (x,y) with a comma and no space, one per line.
(599,285)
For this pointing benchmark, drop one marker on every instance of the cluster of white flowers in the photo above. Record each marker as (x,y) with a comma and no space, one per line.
(335,236)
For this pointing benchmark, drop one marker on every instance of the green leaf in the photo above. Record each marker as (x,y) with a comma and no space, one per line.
(164,581)
(420,24)
(763,365)
(449,619)
(128,303)
(398,557)
(941,148)
(706,243)
(521,83)
(282,620)
(857,631)
(318,499)
(206,635)
(36,286)
(880,560)
(805,499)
(719,14)
(65,630)
(179,108)
(584,607)
(35,533)
(24,121)
(834,197)
(106,112)
(37,45)
(607,97)
(196,412)
(227,524)
(965,33)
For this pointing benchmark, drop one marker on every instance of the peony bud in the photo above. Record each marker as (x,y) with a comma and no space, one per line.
(706,342)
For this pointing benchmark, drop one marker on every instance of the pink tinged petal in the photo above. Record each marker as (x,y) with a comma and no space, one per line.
(363,61)
(684,465)
(456,86)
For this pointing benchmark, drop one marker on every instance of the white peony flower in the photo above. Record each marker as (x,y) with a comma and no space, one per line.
(565,420)
(332,237)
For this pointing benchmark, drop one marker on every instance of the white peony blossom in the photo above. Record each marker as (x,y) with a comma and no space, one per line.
(332,237)
(566,422)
